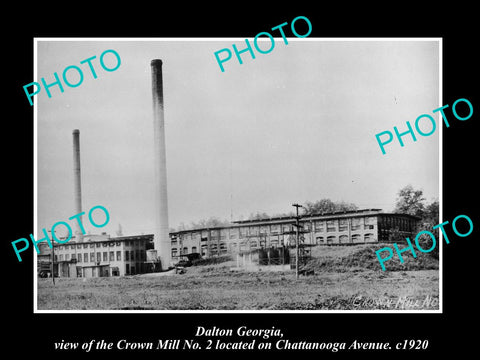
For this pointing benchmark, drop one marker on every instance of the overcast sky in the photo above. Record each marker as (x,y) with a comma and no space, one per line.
(295,125)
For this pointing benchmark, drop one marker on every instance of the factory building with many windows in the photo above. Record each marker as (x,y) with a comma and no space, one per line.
(341,228)
(102,255)
(97,256)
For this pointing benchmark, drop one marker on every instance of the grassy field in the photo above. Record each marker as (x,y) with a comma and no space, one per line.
(346,278)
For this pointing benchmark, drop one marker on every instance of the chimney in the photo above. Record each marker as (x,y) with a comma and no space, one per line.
(161,237)
(77,181)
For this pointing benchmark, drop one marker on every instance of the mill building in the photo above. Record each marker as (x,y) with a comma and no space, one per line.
(102,255)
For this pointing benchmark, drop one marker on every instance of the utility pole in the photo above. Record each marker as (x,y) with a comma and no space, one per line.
(297,226)
(52,254)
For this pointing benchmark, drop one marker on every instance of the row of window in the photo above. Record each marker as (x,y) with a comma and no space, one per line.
(272,238)
(133,243)
(241,246)
(233,233)
(183,251)
(103,256)
(317,226)
(343,224)
(203,250)
(343,227)
(254,244)
(344,239)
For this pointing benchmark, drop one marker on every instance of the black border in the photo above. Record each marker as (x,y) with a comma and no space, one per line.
(446,332)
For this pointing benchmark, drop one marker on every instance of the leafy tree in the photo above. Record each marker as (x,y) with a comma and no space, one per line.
(264,215)
(258,216)
(182,227)
(212,221)
(432,213)
(430,218)
(410,201)
(328,206)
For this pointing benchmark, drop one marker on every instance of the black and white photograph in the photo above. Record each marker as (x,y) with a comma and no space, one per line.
(262,187)
(226,181)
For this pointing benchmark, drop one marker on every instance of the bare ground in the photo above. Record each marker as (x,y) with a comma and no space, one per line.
(216,288)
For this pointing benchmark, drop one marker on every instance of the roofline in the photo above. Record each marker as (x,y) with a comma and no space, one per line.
(129,237)
(359,212)
(119,238)
(286,219)
(401,214)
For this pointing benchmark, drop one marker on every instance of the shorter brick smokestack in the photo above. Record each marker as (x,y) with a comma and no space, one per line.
(77,181)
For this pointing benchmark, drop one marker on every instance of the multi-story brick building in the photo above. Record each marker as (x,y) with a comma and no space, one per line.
(350,227)
(102,255)
(98,256)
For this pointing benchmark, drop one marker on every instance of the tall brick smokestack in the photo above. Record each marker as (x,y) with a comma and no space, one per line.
(77,181)
(161,237)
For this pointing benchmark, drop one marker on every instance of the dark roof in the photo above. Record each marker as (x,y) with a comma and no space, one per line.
(130,237)
(404,215)
(291,219)
(336,213)
(120,238)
